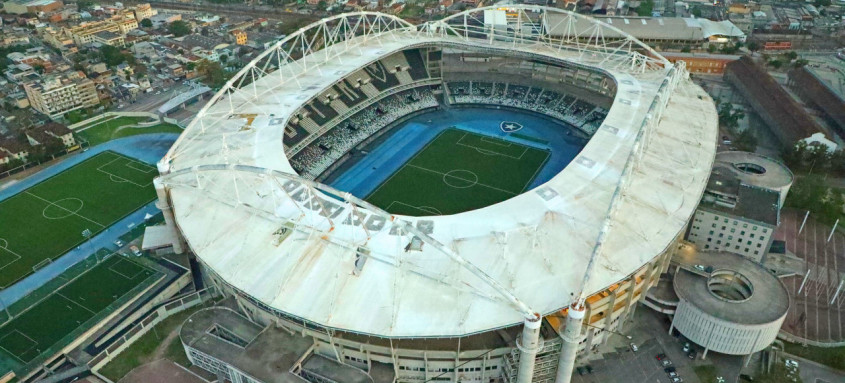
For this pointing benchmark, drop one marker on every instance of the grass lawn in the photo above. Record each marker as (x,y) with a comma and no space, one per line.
(144,349)
(113,129)
(459,171)
(66,310)
(833,357)
(707,374)
(47,220)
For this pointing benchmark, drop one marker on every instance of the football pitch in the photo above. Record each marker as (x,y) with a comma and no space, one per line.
(459,171)
(45,221)
(44,324)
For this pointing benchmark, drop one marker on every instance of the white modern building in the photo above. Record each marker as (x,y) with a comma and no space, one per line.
(475,296)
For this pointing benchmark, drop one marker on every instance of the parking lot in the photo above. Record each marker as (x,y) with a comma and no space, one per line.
(649,331)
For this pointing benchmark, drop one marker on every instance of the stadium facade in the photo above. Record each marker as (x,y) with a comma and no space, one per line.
(475,296)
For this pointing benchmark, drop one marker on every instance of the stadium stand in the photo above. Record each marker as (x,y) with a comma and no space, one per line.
(416,66)
(323,152)
(579,113)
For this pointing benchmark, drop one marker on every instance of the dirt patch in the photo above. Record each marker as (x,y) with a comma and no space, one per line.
(161,371)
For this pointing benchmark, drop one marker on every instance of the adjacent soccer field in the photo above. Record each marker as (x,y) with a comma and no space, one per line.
(45,221)
(37,329)
(459,171)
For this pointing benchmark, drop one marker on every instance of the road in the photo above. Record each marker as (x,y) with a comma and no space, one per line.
(230,9)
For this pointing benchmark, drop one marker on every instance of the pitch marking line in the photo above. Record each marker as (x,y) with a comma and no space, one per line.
(72,213)
(100,169)
(76,303)
(35,344)
(534,176)
(486,151)
(122,274)
(4,244)
(478,183)
(142,167)
(496,142)
(68,211)
(424,209)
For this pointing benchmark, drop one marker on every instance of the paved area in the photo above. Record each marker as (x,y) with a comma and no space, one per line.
(615,361)
(814,313)
(148,148)
(161,371)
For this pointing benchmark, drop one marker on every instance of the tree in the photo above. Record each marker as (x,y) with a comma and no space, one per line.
(646,7)
(113,56)
(775,63)
(213,73)
(822,3)
(686,49)
(696,11)
(753,46)
(791,55)
(83,4)
(224,58)
(746,141)
(711,48)
(179,28)
(800,63)
(146,23)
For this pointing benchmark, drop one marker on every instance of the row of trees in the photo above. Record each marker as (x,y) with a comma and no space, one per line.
(803,158)
(812,193)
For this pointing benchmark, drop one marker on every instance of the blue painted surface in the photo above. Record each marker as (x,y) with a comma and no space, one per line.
(148,148)
(412,135)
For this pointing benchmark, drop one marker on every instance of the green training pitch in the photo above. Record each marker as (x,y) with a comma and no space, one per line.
(39,328)
(459,171)
(43,222)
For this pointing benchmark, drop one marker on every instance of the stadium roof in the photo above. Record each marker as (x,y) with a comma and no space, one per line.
(282,241)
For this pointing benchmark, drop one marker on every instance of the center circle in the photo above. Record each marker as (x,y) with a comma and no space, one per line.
(460,179)
(730,286)
(62,208)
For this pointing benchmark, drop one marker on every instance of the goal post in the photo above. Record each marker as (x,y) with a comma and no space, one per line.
(42,264)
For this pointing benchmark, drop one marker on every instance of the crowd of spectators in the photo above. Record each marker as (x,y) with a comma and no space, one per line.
(574,111)
(326,150)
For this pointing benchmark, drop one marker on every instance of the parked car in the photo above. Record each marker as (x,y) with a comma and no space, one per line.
(661,356)
(134,249)
(692,354)
(686,347)
(672,374)
(669,369)
(791,363)
(699,267)
(666,362)
(118,243)
(677,380)
(746,377)
(634,347)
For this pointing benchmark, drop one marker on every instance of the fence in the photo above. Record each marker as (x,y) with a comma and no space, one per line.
(797,339)
(82,125)
(145,325)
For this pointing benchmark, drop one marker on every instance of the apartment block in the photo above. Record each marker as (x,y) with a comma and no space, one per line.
(59,94)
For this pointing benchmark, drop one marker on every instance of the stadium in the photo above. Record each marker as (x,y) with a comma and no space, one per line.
(437,200)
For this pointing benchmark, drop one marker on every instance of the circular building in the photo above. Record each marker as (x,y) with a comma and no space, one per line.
(735,307)
(245,186)
(758,170)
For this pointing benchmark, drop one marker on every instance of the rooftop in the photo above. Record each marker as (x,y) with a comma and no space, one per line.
(431,293)
(767,303)
(267,354)
(652,28)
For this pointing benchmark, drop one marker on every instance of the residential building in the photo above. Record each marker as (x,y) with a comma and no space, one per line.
(58,94)
(86,32)
(109,38)
(13,149)
(239,36)
(143,11)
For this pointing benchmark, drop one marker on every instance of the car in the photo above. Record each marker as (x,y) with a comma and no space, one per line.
(669,369)
(686,347)
(118,243)
(580,370)
(791,363)
(677,380)
(667,362)
(699,267)
(134,249)
(661,356)
(746,377)
(692,355)
(158,92)
(634,347)
(727,142)
(672,374)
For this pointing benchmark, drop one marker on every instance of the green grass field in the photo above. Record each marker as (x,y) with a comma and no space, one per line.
(112,129)
(46,323)
(45,221)
(459,171)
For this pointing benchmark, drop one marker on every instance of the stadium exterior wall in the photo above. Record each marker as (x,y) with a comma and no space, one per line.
(606,312)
